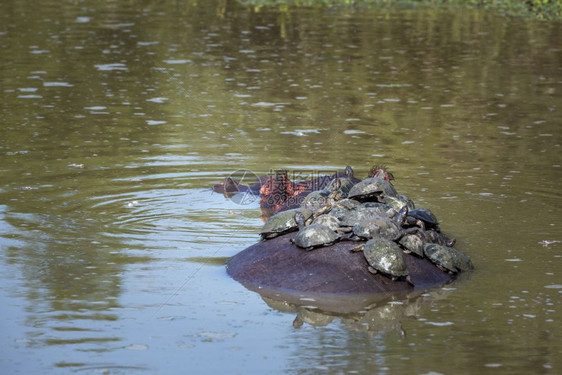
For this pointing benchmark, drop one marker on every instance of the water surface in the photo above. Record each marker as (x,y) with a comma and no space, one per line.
(116,118)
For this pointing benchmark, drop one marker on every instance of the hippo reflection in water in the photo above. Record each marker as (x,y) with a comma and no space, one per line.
(279,269)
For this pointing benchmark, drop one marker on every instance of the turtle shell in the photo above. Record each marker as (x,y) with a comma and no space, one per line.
(412,244)
(444,257)
(386,257)
(377,226)
(424,215)
(341,185)
(328,220)
(316,200)
(282,222)
(315,235)
(371,188)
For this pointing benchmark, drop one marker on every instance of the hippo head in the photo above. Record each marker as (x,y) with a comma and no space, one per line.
(276,189)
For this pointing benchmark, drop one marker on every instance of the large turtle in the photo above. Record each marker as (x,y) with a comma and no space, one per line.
(313,235)
(448,258)
(386,257)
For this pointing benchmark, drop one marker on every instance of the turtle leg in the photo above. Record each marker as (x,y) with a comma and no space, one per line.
(372,270)
(358,248)
(410,281)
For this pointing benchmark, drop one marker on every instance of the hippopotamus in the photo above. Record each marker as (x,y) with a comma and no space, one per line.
(279,269)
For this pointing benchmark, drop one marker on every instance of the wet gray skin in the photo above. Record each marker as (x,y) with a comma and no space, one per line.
(282,222)
(314,235)
(372,189)
(386,257)
(448,258)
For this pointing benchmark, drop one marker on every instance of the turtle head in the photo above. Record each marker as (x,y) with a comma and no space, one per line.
(300,219)
(380,171)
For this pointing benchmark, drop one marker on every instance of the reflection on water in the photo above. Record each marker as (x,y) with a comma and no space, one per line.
(383,314)
(116,118)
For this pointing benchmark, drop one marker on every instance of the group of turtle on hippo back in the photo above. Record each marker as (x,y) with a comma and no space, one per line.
(370,211)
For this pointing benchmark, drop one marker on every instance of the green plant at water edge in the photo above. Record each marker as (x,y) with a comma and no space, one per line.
(540,9)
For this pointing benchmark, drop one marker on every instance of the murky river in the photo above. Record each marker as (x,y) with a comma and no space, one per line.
(116,118)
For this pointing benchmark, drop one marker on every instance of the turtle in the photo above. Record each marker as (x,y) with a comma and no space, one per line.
(448,258)
(423,218)
(342,208)
(412,244)
(372,188)
(328,220)
(313,235)
(282,222)
(460,259)
(439,256)
(440,238)
(377,226)
(386,226)
(316,200)
(410,203)
(398,202)
(386,257)
(353,217)
(341,185)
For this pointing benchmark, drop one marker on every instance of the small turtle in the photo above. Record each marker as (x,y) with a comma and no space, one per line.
(410,203)
(412,244)
(348,204)
(377,226)
(448,258)
(439,238)
(314,235)
(372,189)
(316,200)
(423,218)
(282,222)
(460,260)
(398,202)
(341,185)
(441,257)
(328,220)
(381,226)
(386,257)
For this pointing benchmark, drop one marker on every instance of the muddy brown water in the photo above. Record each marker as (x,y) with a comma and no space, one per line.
(116,118)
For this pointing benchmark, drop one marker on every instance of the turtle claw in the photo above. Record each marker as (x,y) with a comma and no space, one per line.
(410,281)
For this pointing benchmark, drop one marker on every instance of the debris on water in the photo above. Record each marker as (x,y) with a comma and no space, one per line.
(547,243)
